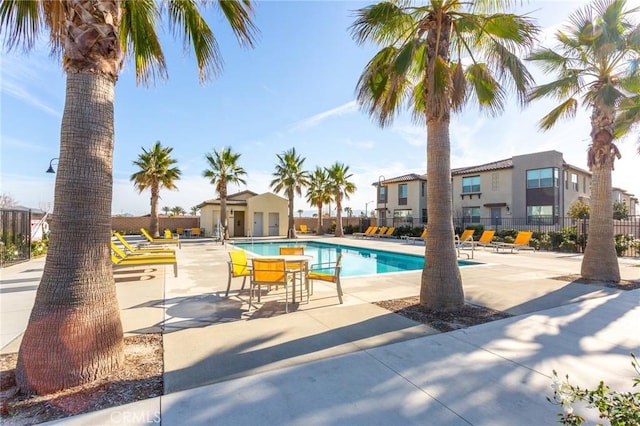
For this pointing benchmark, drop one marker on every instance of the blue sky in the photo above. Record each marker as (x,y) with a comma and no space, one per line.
(296,88)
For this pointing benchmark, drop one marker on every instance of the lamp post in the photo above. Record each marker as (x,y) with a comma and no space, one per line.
(365,207)
(51,169)
(381,179)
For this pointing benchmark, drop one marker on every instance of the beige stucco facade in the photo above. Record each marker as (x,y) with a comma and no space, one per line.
(248,214)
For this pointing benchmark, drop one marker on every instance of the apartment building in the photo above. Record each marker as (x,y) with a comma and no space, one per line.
(538,187)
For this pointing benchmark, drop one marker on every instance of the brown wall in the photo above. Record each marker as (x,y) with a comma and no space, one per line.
(312,222)
(132,224)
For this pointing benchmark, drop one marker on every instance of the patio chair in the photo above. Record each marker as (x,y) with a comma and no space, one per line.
(388,233)
(269,272)
(521,242)
(151,240)
(328,272)
(304,229)
(380,231)
(131,249)
(238,267)
(180,231)
(368,231)
(195,232)
(486,239)
(120,259)
(465,239)
(420,238)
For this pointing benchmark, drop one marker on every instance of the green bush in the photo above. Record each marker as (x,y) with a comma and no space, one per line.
(623,242)
(544,242)
(568,246)
(39,248)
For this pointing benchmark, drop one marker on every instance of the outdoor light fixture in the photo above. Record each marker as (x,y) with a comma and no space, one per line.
(50,169)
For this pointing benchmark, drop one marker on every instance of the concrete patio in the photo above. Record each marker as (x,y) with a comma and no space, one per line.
(356,363)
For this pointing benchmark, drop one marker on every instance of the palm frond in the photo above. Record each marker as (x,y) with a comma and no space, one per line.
(567,109)
(380,90)
(55,19)
(567,86)
(239,14)
(139,39)
(549,60)
(505,61)
(20,23)
(485,89)
(383,23)
(184,17)
(458,87)
(628,117)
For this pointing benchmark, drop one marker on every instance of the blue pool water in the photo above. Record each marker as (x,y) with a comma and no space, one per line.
(355,260)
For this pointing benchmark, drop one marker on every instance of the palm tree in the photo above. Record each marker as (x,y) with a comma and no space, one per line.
(223,170)
(318,194)
(596,59)
(166,210)
(348,211)
(341,188)
(194,210)
(178,211)
(435,56)
(300,211)
(74,334)
(155,172)
(289,178)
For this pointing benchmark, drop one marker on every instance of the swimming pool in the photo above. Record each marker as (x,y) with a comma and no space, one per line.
(355,260)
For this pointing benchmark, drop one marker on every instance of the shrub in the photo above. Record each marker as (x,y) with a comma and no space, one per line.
(623,242)
(544,242)
(39,248)
(620,408)
(568,246)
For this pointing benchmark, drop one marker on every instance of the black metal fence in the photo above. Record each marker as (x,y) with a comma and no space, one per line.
(626,231)
(15,236)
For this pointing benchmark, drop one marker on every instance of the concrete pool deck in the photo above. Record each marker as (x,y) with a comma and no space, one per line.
(356,363)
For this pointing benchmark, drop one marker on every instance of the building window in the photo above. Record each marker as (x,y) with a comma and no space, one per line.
(402,194)
(424,216)
(471,214)
(566,179)
(542,178)
(403,217)
(540,215)
(423,189)
(382,194)
(470,184)
(574,182)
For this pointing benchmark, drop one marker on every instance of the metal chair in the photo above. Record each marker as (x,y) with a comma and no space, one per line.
(238,267)
(328,272)
(270,272)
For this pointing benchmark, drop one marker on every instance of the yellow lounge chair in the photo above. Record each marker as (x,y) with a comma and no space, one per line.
(388,233)
(420,238)
(369,230)
(521,242)
(486,239)
(152,240)
(328,272)
(304,229)
(119,259)
(465,238)
(380,231)
(132,249)
(238,267)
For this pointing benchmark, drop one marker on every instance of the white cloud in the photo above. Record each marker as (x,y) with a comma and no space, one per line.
(412,134)
(316,119)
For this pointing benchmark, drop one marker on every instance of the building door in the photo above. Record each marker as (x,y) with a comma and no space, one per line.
(274,228)
(496,216)
(257,224)
(238,224)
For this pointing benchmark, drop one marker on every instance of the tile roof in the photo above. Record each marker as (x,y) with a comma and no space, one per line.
(405,178)
(495,165)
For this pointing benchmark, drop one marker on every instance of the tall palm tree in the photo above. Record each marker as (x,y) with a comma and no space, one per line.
(223,170)
(166,210)
(74,334)
(155,172)
(341,188)
(289,178)
(319,194)
(435,56)
(595,59)
(194,210)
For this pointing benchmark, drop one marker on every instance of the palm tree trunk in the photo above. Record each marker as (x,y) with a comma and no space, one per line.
(600,261)
(74,334)
(441,286)
(319,231)
(291,232)
(223,218)
(154,227)
(339,232)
